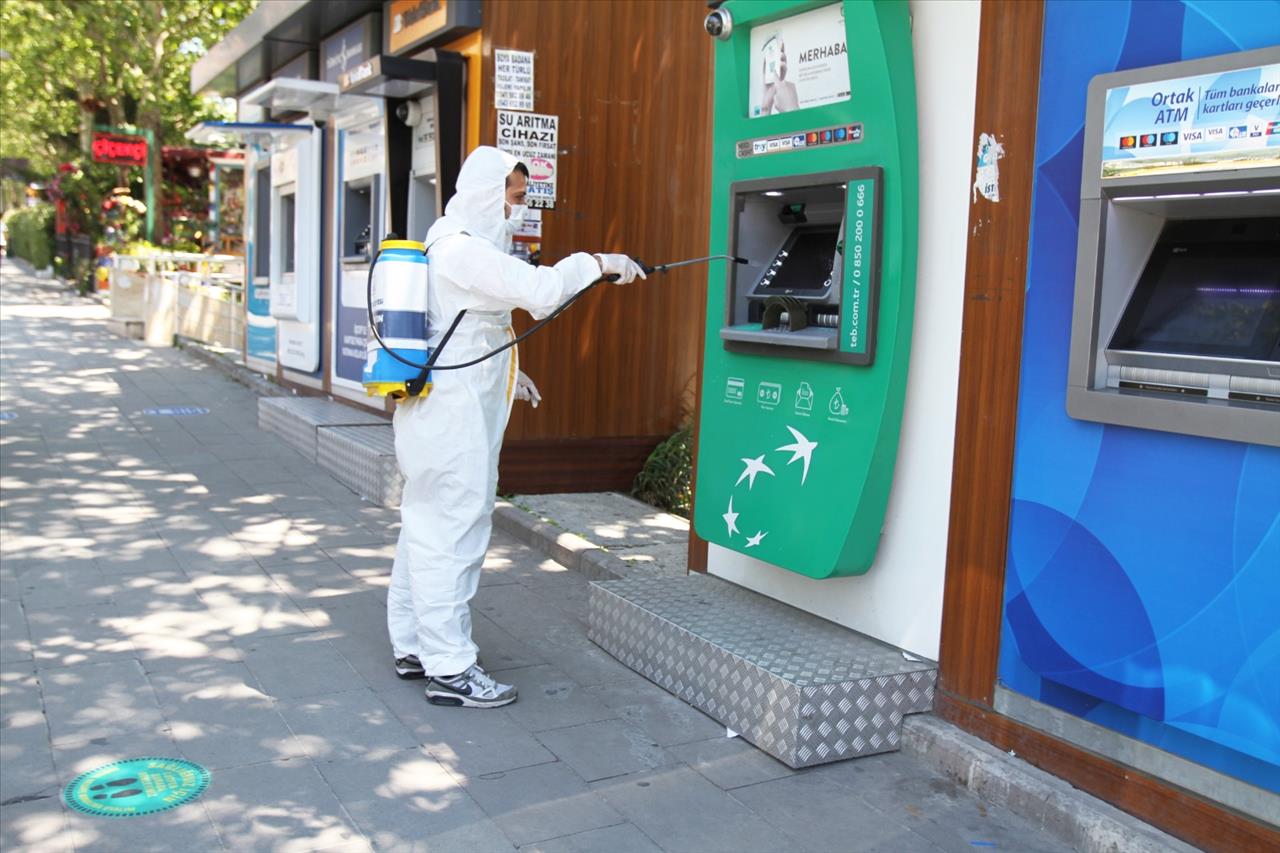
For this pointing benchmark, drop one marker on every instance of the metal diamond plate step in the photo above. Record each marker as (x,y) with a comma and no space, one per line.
(296,419)
(364,459)
(804,690)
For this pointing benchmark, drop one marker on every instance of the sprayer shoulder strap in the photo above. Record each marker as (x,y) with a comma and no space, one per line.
(416,385)
(427,248)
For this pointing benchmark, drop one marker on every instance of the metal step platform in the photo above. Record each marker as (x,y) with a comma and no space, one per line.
(297,419)
(804,690)
(363,458)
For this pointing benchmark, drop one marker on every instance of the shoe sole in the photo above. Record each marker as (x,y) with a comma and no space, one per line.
(418,674)
(453,700)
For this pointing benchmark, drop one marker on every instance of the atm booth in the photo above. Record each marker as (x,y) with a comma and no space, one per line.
(282,170)
(807,343)
(815,183)
(400,143)
(1176,323)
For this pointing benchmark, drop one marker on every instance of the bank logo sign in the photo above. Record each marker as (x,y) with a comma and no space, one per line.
(1210,122)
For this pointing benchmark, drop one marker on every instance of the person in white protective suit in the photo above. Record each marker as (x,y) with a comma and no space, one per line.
(447,442)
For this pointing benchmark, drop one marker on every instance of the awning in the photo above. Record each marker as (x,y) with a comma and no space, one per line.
(317,98)
(246,132)
(388,77)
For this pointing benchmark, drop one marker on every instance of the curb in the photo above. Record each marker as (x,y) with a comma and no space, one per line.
(1067,813)
(568,549)
(255,382)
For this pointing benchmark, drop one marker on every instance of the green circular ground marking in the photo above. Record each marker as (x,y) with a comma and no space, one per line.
(136,786)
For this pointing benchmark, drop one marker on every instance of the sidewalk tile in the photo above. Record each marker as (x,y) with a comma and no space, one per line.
(731,762)
(299,665)
(548,698)
(351,724)
(621,838)
(666,719)
(218,716)
(39,826)
(687,813)
(466,741)
(605,749)
(408,801)
(283,806)
(818,815)
(541,802)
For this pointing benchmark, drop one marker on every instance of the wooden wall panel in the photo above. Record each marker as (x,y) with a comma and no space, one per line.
(629,80)
(990,352)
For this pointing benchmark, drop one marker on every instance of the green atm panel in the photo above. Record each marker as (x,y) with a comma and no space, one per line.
(815,182)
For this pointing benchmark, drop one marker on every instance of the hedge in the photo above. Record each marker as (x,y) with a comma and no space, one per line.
(31,235)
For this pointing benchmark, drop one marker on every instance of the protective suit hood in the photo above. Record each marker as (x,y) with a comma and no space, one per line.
(477,206)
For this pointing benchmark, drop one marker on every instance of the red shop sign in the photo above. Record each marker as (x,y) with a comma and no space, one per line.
(119,149)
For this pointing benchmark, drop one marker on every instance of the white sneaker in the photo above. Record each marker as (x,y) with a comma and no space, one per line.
(471,689)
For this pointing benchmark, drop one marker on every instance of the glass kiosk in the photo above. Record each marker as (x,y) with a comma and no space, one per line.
(263,141)
(1176,322)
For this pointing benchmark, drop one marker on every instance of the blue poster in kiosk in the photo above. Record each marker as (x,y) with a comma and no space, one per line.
(1143,572)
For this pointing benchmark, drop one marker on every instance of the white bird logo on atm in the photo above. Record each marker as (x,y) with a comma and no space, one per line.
(731,518)
(754,466)
(802,449)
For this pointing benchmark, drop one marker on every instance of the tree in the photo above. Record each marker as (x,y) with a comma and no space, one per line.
(73,63)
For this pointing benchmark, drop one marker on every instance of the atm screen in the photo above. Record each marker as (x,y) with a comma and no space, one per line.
(1214,298)
(805,262)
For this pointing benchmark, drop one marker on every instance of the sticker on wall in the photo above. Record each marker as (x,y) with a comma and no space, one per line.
(513,80)
(136,787)
(987,182)
(533,138)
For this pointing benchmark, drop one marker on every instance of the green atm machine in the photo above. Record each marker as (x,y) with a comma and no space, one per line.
(815,183)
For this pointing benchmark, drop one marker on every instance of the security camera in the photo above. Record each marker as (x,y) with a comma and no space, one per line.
(410,113)
(719,24)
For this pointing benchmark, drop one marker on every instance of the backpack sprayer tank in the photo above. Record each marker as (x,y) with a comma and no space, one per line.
(398,315)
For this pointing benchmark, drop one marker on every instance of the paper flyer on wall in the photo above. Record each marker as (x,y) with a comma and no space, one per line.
(799,62)
(513,80)
(533,138)
(1225,120)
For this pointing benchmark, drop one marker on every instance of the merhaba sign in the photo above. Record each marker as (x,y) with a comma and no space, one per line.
(120,149)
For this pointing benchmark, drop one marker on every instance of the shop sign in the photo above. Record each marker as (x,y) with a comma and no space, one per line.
(1223,120)
(120,149)
(513,80)
(415,23)
(533,138)
(347,48)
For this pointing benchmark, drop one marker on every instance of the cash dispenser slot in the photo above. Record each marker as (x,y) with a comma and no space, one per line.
(1203,319)
(793,295)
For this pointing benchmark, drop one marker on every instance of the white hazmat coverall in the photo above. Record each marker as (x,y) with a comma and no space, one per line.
(447,443)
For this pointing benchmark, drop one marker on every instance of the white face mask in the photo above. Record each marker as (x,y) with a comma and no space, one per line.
(513,220)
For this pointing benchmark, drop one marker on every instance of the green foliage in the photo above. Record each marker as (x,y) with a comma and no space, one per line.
(31,235)
(140,249)
(118,62)
(666,480)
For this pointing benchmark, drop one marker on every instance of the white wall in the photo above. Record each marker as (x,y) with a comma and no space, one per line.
(900,599)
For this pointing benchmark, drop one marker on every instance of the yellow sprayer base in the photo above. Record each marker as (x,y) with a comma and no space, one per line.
(395,390)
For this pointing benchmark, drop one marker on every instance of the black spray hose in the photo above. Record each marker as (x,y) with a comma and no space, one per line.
(431,361)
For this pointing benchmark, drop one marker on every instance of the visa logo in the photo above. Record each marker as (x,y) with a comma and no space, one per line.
(1216,134)
(1193,135)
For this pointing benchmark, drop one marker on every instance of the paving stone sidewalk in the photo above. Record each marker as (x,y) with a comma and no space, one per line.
(192,587)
